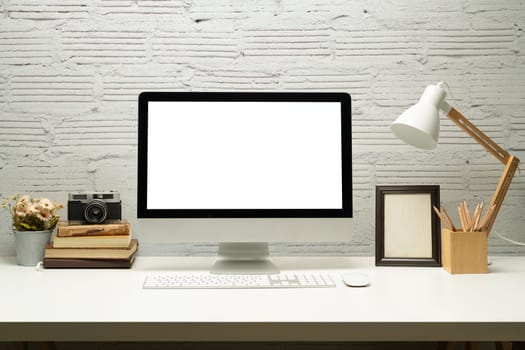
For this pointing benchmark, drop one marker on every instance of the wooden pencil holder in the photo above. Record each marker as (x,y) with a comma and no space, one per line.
(464,252)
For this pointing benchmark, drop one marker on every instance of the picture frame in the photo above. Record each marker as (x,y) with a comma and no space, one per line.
(407,229)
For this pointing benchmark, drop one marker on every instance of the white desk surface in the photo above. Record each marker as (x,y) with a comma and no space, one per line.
(402,303)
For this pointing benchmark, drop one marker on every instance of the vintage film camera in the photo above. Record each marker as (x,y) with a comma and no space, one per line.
(94,207)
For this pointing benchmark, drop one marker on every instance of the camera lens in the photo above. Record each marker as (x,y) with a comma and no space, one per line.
(95,212)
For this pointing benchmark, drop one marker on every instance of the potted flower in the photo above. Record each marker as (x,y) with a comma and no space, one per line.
(33,221)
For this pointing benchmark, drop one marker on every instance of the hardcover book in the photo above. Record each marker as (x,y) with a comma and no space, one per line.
(89,263)
(91,253)
(107,241)
(73,228)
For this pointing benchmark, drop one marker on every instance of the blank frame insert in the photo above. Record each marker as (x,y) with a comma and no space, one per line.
(407,226)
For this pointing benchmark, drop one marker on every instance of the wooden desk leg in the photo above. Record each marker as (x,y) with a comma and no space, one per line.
(474,346)
(471,346)
(519,345)
(503,345)
(449,345)
(48,345)
(40,345)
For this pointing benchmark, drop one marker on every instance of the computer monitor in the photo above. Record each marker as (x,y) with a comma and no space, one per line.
(244,169)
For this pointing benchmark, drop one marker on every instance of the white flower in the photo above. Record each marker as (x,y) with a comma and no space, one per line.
(44,215)
(22,206)
(32,209)
(46,204)
(20,213)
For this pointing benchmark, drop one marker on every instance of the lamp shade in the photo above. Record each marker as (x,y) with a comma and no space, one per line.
(419,125)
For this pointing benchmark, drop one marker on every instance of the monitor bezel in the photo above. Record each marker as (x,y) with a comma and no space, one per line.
(343,98)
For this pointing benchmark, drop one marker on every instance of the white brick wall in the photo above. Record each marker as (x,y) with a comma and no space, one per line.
(70,73)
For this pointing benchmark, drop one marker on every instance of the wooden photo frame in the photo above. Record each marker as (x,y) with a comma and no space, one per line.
(407,230)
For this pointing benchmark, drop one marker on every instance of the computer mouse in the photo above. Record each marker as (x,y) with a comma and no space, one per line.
(355,279)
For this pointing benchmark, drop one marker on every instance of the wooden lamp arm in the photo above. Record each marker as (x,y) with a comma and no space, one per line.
(478,135)
(511,162)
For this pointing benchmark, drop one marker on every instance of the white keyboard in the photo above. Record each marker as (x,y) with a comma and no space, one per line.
(209,281)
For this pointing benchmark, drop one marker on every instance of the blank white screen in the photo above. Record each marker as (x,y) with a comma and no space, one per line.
(244,155)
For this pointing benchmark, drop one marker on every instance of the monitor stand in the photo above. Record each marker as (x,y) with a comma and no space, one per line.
(244,259)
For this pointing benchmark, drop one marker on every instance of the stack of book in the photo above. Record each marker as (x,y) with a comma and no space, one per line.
(91,246)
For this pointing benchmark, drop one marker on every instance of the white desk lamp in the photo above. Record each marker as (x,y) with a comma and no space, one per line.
(419,127)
